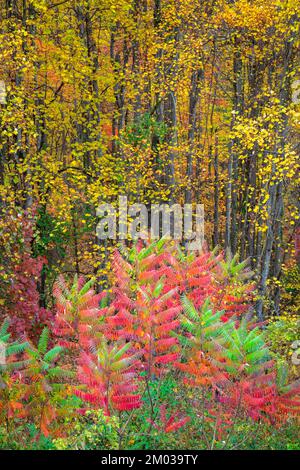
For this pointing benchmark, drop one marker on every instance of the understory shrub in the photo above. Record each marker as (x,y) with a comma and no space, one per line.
(172,353)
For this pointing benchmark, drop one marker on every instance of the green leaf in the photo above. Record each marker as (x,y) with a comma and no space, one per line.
(43,341)
(53,353)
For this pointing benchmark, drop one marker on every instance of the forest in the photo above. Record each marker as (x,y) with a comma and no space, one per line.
(138,342)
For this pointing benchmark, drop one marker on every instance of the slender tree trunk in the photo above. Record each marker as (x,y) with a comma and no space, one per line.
(231,199)
(196,78)
(216,194)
